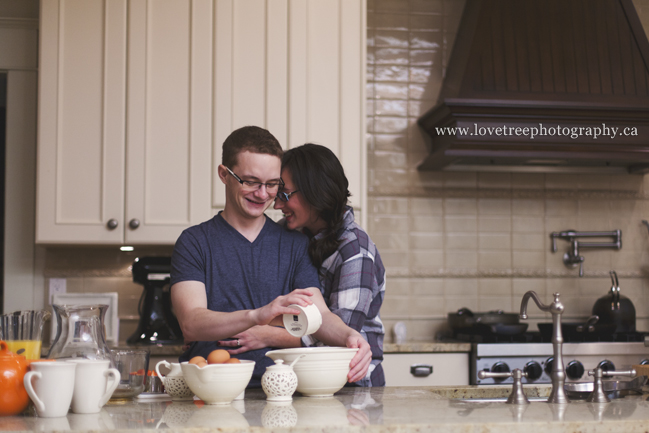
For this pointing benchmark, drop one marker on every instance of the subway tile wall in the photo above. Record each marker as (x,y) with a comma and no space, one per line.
(478,240)
(100,270)
(448,240)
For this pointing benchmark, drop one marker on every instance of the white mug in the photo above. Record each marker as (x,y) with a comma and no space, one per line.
(305,323)
(94,384)
(50,386)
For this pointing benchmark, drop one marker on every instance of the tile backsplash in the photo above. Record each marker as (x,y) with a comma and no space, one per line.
(448,239)
(99,270)
(478,240)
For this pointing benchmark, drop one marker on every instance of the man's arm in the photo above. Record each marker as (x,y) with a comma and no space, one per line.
(189,300)
(259,337)
(332,332)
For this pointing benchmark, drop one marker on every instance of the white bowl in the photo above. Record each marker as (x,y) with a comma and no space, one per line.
(218,383)
(321,372)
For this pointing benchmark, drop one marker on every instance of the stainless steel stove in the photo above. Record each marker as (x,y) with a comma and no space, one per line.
(536,359)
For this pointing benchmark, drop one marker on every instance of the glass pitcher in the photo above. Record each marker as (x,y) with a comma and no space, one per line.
(80,332)
(22,331)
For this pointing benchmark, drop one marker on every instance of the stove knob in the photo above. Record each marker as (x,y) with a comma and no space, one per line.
(533,370)
(500,367)
(575,370)
(548,365)
(606,365)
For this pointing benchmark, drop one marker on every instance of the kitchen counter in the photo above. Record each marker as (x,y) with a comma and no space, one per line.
(390,409)
(408,347)
(427,347)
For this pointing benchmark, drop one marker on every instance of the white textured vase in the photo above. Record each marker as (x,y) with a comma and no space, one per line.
(279,382)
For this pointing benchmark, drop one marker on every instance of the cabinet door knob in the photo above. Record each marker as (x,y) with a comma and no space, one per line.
(421,370)
(134,223)
(112,224)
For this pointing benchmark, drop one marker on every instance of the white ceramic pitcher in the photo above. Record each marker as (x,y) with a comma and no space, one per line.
(174,381)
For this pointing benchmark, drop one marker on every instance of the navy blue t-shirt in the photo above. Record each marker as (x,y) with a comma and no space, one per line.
(241,275)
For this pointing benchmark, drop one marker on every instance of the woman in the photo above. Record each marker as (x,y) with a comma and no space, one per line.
(352,276)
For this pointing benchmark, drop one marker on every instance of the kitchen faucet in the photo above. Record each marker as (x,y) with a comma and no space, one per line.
(558,394)
(572,258)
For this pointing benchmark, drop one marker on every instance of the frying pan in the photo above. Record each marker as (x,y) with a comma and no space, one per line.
(578,329)
(508,329)
(465,318)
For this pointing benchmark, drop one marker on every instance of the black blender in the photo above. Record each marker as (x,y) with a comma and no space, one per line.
(158,324)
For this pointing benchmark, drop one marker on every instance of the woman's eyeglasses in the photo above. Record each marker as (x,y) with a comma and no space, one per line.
(250,185)
(285,196)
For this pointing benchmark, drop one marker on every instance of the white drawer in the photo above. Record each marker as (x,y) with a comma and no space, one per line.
(450,369)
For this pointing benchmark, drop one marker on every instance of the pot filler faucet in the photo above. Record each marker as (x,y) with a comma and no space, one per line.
(558,394)
(572,257)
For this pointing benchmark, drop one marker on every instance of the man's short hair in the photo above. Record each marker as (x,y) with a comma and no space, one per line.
(249,138)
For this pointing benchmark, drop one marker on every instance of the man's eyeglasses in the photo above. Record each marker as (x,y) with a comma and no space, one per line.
(285,196)
(250,185)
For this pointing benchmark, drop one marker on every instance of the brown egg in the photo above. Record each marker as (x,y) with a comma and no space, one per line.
(201,364)
(233,361)
(196,360)
(218,356)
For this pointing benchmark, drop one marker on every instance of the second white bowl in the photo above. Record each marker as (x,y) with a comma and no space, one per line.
(321,372)
(218,383)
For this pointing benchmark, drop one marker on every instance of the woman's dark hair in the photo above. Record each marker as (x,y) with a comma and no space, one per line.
(320,178)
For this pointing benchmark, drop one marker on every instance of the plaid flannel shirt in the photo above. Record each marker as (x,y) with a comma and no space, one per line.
(353,285)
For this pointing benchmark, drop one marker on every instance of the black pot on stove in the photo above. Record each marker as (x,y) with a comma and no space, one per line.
(615,309)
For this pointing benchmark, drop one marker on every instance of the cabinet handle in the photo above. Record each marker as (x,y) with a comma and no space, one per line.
(112,224)
(421,370)
(134,223)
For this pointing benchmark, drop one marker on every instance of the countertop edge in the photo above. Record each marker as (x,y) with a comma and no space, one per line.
(388,348)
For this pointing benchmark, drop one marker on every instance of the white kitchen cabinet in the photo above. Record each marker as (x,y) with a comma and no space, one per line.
(448,369)
(124,120)
(137,96)
(296,67)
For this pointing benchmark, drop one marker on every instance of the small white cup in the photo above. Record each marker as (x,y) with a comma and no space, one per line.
(305,323)
(50,385)
(94,384)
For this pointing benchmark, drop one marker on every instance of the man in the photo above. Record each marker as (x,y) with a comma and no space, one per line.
(240,270)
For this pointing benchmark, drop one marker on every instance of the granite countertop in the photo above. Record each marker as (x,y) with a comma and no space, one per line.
(389,409)
(408,347)
(427,347)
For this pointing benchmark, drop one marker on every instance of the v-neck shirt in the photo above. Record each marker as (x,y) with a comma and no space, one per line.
(239,274)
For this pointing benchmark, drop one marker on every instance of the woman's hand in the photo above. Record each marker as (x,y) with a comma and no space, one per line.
(357,417)
(253,338)
(360,363)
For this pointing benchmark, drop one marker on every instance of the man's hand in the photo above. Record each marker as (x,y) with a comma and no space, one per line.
(271,313)
(360,363)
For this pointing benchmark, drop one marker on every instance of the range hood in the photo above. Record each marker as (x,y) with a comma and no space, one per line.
(544,85)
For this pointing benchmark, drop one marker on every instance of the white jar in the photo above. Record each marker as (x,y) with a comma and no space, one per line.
(280,381)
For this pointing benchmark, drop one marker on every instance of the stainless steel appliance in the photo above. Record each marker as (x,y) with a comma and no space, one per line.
(536,359)
(503,348)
